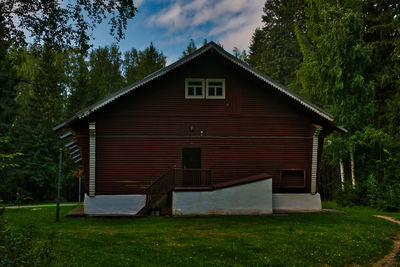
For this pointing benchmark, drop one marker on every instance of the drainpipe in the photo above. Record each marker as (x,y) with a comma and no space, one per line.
(314,163)
(92,159)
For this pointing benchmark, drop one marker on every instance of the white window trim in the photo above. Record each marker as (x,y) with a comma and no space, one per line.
(223,88)
(187,88)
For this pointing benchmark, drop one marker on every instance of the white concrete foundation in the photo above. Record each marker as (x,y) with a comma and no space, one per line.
(296,202)
(250,198)
(114,204)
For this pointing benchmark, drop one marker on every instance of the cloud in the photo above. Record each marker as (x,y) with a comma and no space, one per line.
(137,3)
(240,37)
(232,22)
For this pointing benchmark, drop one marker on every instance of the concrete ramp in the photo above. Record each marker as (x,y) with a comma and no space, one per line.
(246,196)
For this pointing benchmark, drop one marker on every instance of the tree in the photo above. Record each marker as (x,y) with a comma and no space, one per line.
(190,48)
(40,105)
(274,49)
(334,59)
(42,84)
(77,71)
(382,33)
(105,76)
(7,160)
(256,50)
(139,64)
(7,90)
(242,55)
(61,25)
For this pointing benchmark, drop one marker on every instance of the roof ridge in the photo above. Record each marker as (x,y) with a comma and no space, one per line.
(210,45)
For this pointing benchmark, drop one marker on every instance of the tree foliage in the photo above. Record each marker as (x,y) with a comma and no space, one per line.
(105,75)
(51,86)
(382,34)
(60,24)
(139,64)
(242,55)
(334,59)
(343,56)
(274,49)
(191,47)
(38,83)
(40,103)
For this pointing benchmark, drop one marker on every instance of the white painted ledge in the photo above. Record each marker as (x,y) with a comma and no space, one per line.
(297,202)
(245,199)
(114,204)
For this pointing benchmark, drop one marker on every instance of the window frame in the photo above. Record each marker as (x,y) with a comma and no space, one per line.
(187,80)
(281,176)
(215,80)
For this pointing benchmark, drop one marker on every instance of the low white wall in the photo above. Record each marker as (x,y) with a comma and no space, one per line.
(250,198)
(114,204)
(296,202)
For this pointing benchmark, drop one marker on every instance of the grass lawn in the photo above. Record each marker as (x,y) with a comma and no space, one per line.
(296,239)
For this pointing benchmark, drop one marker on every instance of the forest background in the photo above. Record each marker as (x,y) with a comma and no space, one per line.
(344,56)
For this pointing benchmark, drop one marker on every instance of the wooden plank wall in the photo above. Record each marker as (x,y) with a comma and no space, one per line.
(255,129)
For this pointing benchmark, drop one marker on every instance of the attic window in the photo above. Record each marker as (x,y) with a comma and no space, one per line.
(194,88)
(215,88)
(205,88)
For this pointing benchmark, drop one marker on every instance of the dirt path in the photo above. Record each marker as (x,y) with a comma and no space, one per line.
(390,259)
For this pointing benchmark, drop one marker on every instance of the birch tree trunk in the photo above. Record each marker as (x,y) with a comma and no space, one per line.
(341,173)
(353,178)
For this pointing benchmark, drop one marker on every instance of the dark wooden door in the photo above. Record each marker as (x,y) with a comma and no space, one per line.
(191,158)
(191,163)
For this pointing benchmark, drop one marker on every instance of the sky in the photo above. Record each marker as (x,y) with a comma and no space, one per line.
(171,24)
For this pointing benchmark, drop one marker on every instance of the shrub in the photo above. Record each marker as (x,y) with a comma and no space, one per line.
(389,199)
(18,248)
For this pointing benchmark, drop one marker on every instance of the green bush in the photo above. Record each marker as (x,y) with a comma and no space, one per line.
(389,199)
(372,193)
(372,190)
(20,248)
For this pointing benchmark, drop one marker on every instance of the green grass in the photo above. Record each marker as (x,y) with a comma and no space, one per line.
(297,239)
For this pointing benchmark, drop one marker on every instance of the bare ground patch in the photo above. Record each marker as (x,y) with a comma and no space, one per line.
(390,259)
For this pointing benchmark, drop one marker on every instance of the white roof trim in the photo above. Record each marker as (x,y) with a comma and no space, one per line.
(188,58)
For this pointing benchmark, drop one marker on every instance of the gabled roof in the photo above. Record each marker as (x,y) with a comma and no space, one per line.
(209,46)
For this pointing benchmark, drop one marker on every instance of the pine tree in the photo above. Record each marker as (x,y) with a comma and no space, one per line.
(334,59)
(77,70)
(40,106)
(274,49)
(138,65)
(105,76)
(256,50)
(382,27)
(242,55)
(190,48)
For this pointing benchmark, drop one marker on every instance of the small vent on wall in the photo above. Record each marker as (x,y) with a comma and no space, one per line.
(293,178)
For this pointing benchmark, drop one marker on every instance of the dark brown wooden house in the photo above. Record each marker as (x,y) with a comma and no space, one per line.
(207,128)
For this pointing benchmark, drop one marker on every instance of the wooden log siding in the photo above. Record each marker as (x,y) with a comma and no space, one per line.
(255,129)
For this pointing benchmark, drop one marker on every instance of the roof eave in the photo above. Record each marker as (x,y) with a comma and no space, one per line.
(211,45)
(340,129)
(65,124)
(277,85)
(144,81)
